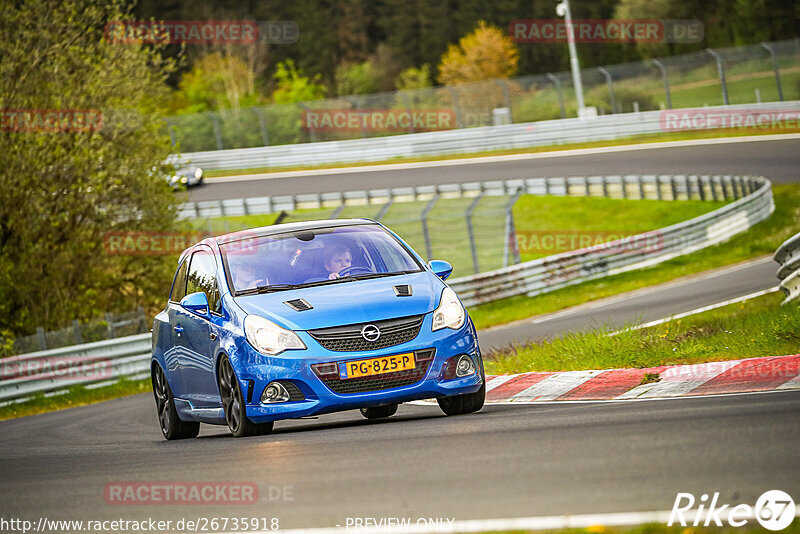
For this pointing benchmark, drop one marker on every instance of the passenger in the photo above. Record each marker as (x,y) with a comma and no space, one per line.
(337,259)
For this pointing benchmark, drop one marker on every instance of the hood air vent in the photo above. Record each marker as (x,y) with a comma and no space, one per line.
(402,290)
(298,304)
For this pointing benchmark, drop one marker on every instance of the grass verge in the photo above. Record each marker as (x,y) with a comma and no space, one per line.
(637,140)
(762,239)
(758,327)
(74,396)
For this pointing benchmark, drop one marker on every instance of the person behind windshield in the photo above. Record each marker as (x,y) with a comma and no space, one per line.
(246,277)
(337,259)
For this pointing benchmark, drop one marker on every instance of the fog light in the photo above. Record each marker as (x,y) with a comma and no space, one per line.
(274,392)
(465,366)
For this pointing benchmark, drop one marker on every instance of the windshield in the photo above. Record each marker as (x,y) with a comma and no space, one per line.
(314,257)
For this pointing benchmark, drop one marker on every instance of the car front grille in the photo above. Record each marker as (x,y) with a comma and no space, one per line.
(349,339)
(385,381)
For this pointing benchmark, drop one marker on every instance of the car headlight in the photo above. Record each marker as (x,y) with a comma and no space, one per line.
(184,179)
(268,338)
(450,313)
(198,173)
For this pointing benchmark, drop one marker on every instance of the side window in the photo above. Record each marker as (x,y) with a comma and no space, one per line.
(179,285)
(202,277)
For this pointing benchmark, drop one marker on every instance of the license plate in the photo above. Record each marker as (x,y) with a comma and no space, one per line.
(376,366)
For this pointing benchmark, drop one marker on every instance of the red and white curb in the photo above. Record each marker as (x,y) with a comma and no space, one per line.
(770,373)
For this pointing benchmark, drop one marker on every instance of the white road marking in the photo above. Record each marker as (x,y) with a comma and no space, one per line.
(496,159)
(552,522)
(680,380)
(498,381)
(699,310)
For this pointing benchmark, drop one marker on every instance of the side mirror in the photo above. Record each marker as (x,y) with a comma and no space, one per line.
(196,303)
(441,268)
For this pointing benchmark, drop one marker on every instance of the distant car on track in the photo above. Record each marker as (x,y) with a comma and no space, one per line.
(308,318)
(185,176)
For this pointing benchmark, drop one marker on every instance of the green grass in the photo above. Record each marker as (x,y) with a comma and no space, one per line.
(758,327)
(638,140)
(75,396)
(762,239)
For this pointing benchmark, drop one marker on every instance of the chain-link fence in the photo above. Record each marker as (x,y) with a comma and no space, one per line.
(108,327)
(754,73)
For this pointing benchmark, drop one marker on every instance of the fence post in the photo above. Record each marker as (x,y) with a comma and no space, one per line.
(425,233)
(721,71)
(664,77)
(41,338)
(774,59)
(311,132)
(217,133)
(408,110)
(473,247)
(76,330)
(457,107)
(262,124)
(171,131)
(557,83)
(354,102)
(610,84)
(507,97)
(510,231)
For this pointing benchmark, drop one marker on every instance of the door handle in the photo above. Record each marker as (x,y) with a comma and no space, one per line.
(213,336)
(179,330)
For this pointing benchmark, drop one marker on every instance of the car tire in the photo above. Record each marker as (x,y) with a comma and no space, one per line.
(172,426)
(379,412)
(467,403)
(233,404)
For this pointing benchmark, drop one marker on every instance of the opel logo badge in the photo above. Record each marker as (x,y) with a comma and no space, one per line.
(370,332)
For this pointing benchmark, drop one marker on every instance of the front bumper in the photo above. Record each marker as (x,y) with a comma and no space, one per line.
(255,371)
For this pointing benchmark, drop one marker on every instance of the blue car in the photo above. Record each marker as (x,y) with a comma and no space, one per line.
(302,319)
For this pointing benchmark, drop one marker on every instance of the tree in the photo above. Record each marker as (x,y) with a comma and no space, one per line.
(486,53)
(215,82)
(65,188)
(293,86)
(414,78)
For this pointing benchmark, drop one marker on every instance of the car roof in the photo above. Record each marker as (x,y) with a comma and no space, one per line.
(287,227)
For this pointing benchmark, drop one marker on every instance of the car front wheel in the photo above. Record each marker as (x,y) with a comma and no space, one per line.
(379,412)
(172,426)
(461,404)
(234,406)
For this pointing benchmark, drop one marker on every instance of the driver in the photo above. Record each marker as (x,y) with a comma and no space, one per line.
(245,277)
(337,259)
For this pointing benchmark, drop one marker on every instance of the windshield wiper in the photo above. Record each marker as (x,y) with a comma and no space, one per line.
(268,289)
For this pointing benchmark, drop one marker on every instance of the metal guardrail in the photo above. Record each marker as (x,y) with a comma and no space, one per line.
(468,140)
(90,363)
(554,272)
(788,255)
(28,374)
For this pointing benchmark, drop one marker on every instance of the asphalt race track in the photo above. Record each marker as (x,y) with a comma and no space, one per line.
(505,461)
(778,160)
(649,304)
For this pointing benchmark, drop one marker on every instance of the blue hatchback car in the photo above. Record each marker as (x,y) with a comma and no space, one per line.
(302,319)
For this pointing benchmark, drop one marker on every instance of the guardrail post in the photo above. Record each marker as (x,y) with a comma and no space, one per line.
(510,231)
(472,245)
(713,181)
(262,124)
(641,186)
(664,77)
(425,233)
(774,59)
(674,187)
(604,183)
(385,208)
(701,184)
(557,83)
(109,324)
(725,191)
(610,84)
(721,71)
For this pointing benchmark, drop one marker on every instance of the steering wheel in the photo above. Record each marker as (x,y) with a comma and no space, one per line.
(354,269)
